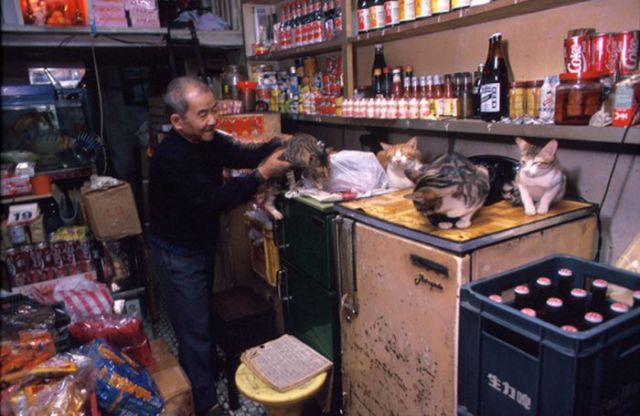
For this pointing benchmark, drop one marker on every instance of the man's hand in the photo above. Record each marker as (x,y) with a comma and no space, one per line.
(272,166)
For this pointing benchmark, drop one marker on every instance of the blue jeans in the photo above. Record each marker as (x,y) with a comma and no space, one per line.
(186,281)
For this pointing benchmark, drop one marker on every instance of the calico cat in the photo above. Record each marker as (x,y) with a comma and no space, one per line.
(540,180)
(309,158)
(450,190)
(396,158)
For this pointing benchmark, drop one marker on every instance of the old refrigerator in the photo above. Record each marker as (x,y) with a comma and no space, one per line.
(399,281)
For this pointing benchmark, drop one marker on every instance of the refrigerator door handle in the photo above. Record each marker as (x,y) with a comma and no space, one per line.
(430,265)
(344,255)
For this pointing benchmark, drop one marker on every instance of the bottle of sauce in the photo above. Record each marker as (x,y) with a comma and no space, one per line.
(364,16)
(438,94)
(391,13)
(494,91)
(396,90)
(475,92)
(376,11)
(387,82)
(377,83)
(378,63)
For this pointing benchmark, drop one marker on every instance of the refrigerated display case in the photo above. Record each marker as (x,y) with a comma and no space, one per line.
(399,280)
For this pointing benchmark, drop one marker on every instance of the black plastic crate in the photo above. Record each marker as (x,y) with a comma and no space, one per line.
(512,364)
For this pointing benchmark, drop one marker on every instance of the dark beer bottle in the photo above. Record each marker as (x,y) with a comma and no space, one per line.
(364,16)
(617,309)
(387,82)
(542,291)
(636,298)
(496,298)
(522,297)
(494,90)
(577,305)
(529,312)
(378,63)
(591,320)
(553,310)
(599,296)
(565,282)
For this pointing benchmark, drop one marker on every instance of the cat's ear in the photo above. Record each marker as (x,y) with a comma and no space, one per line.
(522,144)
(550,149)
(413,142)
(385,146)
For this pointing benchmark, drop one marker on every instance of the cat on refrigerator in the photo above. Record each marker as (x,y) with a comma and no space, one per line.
(449,190)
(540,180)
(397,158)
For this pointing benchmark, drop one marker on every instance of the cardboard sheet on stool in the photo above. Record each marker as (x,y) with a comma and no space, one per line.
(397,208)
(285,362)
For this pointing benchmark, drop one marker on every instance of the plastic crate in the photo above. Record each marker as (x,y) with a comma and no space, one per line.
(512,364)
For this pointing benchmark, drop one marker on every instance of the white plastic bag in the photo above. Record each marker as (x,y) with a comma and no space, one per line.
(355,171)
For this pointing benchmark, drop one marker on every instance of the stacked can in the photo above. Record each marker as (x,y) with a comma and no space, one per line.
(602,52)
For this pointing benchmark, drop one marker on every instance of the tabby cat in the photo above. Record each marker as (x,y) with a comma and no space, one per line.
(449,190)
(396,158)
(309,158)
(540,180)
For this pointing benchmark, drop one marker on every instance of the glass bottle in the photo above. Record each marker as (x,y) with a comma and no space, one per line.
(337,17)
(377,83)
(522,296)
(475,92)
(391,13)
(378,61)
(494,91)
(376,12)
(407,88)
(396,91)
(387,82)
(364,16)
(450,108)
(578,97)
(438,94)
(463,92)
(599,296)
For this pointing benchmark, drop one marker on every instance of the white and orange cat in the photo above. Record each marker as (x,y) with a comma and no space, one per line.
(398,158)
(540,180)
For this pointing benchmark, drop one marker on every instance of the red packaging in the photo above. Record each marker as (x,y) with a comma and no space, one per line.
(627,49)
(20,279)
(603,53)
(35,276)
(576,54)
(82,250)
(44,255)
(57,253)
(49,273)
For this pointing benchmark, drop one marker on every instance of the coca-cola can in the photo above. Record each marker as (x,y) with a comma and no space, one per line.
(82,250)
(576,54)
(35,276)
(627,49)
(603,53)
(45,255)
(49,273)
(57,253)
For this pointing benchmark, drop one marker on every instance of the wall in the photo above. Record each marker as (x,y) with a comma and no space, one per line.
(535,41)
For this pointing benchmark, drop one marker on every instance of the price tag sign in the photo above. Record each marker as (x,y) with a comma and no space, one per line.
(23,213)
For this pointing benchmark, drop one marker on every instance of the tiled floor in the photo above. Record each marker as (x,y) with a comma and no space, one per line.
(162,329)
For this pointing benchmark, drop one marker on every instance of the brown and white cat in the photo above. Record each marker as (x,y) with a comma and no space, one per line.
(540,180)
(450,190)
(396,158)
(309,158)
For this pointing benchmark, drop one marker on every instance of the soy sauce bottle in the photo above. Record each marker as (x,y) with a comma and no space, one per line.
(494,90)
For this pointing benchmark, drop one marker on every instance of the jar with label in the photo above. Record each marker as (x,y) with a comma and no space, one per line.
(391,13)
(440,6)
(517,99)
(463,90)
(460,4)
(230,77)
(532,108)
(578,97)
(423,9)
(407,10)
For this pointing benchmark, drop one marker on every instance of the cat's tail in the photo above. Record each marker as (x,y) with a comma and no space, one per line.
(511,193)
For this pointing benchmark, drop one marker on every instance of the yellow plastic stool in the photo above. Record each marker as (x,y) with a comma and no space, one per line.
(289,403)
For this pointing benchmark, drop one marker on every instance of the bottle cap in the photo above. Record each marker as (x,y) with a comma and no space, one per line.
(569,328)
(578,293)
(554,302)
(386,70)
(496,298)
(378,46)
(408,68)
(593,317)
(543,281)
(564,272)
(600,283)
(495,35)
(529,312)
(522,290)
(619,307)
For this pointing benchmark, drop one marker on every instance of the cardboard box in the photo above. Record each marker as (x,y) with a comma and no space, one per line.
(171,380)
(111,212)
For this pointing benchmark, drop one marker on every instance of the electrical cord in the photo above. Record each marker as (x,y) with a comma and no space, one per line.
(100,106)
(635,114)
(128,42)
(63,42)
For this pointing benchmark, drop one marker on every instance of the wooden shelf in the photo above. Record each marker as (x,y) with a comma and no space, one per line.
(496,10)
(333,45)
(39,36)
(22,198)
(577,133)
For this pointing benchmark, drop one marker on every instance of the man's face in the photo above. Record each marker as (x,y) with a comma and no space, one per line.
(199,122)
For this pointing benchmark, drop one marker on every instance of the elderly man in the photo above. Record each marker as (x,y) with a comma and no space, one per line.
(186,196)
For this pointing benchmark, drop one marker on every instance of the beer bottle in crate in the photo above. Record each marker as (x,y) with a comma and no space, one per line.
(522,296)
(599,296)
(577,305)
(636,298)
(542,291)
(554,312)
(591,320)
(564,278)
(617,309)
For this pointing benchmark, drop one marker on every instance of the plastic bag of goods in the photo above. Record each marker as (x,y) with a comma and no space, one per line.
(121,331)
(123,386)
(60,386)
(355,171)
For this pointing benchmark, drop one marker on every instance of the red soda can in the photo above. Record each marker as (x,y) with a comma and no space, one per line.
(72,268)
(576,54)
(57,253)
(49,273)
(84,266)
(60,271)
(26,253)
(82,250)
(36,276)
(603,53)
(45,254)
(627,44)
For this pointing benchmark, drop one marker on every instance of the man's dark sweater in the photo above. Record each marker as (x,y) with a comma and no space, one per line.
(186,191)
